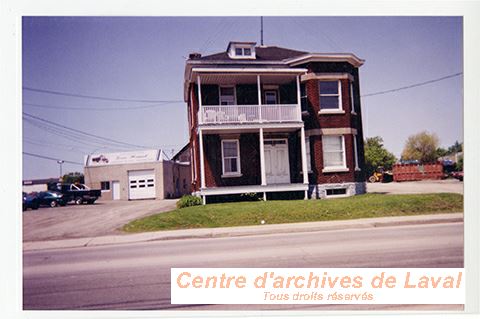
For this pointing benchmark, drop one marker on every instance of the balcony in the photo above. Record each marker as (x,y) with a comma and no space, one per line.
(248,96)
(249,114)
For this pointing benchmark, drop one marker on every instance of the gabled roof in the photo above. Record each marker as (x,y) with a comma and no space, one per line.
(266,58)
(271,53)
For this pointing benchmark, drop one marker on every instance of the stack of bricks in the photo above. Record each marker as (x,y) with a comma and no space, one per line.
(416,172)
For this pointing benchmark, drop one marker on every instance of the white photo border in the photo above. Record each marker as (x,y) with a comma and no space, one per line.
(11,129)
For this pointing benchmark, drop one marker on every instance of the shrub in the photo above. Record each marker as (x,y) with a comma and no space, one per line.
(189,200)
(249,197)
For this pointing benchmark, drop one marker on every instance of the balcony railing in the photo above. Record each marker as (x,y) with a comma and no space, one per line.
(240,114)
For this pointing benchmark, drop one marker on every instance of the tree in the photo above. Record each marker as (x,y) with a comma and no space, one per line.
(459,165)
(455,148)
(422,147)
(441,152)
(71,178)
(377,155)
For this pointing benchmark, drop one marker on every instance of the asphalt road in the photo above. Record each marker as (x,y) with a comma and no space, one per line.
(137,276)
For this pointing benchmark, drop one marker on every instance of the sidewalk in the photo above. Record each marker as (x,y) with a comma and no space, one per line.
(244,231)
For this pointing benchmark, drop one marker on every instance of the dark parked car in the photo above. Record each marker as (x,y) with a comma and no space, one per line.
(30,201)
(52,199)
(457,175)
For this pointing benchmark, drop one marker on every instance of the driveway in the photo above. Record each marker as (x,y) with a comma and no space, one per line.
(102,218)
(419,187)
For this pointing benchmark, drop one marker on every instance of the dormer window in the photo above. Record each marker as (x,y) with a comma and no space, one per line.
(241,50)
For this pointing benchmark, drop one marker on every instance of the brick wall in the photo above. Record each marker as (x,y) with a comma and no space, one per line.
(193,109)
(249,161)
(314,120)
(317,176)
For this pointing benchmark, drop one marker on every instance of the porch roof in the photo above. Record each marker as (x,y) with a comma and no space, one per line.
(251,128)
(232,76)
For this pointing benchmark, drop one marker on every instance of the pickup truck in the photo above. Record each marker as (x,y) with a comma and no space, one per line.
(78,193)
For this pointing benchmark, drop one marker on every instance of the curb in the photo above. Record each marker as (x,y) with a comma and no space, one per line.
(245,231)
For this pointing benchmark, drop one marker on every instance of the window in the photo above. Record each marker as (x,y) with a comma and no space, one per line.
(105,186)
(333,151)
(336,192)
(227,95)
(356,151)
(230,157)
(241,50)
(330,93)
(303,97)
(271,97)
(352,101)
(245,52)
(309,157)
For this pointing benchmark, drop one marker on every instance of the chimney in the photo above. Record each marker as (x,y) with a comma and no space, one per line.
(194,56)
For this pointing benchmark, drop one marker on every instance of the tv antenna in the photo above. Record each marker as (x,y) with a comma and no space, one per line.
(261,31)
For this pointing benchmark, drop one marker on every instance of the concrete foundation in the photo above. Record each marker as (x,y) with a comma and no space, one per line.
(320,191)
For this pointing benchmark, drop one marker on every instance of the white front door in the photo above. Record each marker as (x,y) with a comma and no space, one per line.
(116,190)
(277,168)
(141,184)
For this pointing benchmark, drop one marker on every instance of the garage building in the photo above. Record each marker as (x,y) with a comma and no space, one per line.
(144,174)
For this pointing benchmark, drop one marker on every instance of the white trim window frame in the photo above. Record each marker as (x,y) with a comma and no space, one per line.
(241,51)
(227,170)
(352,100)
(308,153)
(338,95)
(355,149)
(227,99)
(339,148)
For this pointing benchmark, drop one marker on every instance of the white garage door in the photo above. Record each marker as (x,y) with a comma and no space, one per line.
(141,184)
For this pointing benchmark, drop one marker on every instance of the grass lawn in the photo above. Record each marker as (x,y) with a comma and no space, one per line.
(295,211)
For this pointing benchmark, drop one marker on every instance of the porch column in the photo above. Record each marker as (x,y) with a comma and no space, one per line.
(299,97)
(304,158)
(202,164)
(200,106)
(262,159)
(259,89)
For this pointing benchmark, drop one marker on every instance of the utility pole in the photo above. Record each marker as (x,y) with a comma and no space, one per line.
(261,31)
(60,162)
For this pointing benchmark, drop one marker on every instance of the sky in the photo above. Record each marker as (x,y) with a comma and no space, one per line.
(136,64)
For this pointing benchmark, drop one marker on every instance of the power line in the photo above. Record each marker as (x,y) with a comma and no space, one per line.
(59,146)
(229,23)
(92,142)
(221,25)
(81,132)
(76,108)
(51,158)
(414,85)
(77,138)
(307,30)
(26,88)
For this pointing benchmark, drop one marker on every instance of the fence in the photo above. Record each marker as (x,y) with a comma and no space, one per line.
(416,172)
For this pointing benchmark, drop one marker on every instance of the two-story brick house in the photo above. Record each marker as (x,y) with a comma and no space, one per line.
(265,119)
